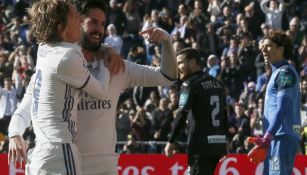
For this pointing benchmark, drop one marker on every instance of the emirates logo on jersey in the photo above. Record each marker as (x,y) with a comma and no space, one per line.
(93,104)
(88,102)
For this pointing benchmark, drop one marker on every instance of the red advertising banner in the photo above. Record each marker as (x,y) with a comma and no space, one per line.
(150,164)
(158,164)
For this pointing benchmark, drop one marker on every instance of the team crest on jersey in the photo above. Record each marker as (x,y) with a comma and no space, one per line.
(286,79)
(183,99)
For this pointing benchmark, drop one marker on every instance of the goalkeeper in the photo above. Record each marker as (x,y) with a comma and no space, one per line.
(278,147)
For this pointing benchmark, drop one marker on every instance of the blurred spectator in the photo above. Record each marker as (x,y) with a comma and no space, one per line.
(234,76)
(123,127)
(213,66)
(141,125)
(226,15)
(136,55)
(166,21)
(242,127)
(303,85)
(232,48)
(214,8)
(249,94)
(6,67)
(294,32)
(133,17)
(148,22)
(265,28)
(253,20)
(117,17)
(159,116)
(181,28)
(131,147)
(173,100)
(153,99)
(304,140)
(274,13)
(178,45)
(302,52)
(181,11)
(198,19)
(209,42)
(113,39)
(247,54)
(8,103)
(257,118)
(4,44)
(141,94)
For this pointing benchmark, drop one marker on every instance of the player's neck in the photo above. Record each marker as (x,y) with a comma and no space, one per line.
(88,55)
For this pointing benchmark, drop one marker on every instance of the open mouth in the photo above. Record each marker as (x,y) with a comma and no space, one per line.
(95,37)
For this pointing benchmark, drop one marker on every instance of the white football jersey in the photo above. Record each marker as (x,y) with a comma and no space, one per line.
(96,117)
(60,74)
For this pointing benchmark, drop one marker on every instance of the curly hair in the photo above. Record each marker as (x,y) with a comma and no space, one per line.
(281,39)
(45,17)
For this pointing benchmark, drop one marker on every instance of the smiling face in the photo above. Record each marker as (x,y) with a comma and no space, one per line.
(93,29)
(271,52)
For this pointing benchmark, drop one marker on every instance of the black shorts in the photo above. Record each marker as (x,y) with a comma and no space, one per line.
(203,165)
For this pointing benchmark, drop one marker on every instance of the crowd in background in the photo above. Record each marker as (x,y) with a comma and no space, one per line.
(227,33)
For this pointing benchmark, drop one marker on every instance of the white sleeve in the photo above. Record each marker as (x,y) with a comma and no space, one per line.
(168,60)
(21,118)
(72,70)
(147,76)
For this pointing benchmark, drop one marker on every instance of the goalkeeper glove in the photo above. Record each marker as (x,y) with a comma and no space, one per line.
(259,152)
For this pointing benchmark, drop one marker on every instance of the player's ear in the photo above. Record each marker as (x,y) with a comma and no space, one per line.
(193,63)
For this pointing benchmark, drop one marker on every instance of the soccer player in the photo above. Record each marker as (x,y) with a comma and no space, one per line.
(278,147)
(202,101)
(52,99)
(96,117)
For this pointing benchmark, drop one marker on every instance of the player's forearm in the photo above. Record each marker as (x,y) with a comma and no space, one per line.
(99,88)
(21,118)
(147,76)
(168,61)
(282,110)
(179,123)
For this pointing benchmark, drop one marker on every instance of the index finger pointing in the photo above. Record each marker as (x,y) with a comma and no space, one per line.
(146,31)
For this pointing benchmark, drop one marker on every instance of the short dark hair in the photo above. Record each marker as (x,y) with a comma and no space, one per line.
(189,54)
(281,39)
(83,6)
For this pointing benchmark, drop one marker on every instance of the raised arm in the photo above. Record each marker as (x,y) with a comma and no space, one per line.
(264,6)
(168,61)
(139,75)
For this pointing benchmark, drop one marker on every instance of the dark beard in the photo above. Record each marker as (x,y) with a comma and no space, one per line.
(86,43)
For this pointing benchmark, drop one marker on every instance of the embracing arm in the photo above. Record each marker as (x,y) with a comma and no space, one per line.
(72,70)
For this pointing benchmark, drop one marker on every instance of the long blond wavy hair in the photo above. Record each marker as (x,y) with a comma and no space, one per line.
(45,18)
